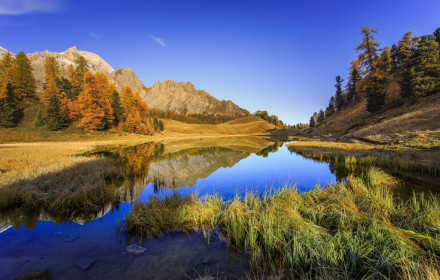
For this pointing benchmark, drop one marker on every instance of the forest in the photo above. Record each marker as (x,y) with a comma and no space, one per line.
(409,68)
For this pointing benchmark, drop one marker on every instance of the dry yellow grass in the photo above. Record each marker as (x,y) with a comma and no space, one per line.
(21,161)
(333,145)
(242,126)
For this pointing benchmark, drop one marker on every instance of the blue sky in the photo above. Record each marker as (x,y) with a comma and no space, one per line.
(281,56)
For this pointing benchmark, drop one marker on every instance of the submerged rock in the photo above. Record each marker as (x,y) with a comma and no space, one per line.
(85,264)
(136,249)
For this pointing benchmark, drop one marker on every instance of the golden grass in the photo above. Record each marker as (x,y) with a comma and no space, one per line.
(335,145)
(354,231)
(393,157)
(22,161)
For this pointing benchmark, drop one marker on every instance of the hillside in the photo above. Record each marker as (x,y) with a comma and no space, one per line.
(243,126)
(167,95)
(401,120)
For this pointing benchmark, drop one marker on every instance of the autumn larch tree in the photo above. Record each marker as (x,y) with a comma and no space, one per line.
(51,88)
(94,103)
(51,69)
(78,75)
(375,82)
(24,82)
(7,70)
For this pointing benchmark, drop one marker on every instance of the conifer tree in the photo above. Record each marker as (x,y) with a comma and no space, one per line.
(118,111)
(312,122)
(70,72)
(425,73)
(94,102)
(330,108)
(339,97)
(78,76)
(10,114)
(55,119)
(367,48)
(51,88)
(39,118)
(353,80)
(321,116)
(51,69)
(7,70)
(24,82)
(65,88)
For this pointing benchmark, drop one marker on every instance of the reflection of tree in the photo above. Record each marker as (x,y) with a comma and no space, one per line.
(270,149)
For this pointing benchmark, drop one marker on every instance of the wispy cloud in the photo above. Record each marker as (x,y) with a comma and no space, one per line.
(160,41)
(20,7)
(94,35)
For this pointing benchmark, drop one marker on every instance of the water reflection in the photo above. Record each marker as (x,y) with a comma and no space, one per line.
(89,190)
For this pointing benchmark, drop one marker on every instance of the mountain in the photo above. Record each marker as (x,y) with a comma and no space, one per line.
(167,95)
(184,98)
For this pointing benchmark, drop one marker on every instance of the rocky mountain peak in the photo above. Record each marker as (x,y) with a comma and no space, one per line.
(181,97)
(184,98)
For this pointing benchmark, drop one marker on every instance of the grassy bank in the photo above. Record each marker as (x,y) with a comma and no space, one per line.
(352,231)
(392,158)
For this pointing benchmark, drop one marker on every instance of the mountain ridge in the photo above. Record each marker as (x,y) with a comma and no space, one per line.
(167,95)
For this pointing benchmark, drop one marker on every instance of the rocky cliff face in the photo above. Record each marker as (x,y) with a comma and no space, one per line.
(167,95)
(184,98)
(185,170)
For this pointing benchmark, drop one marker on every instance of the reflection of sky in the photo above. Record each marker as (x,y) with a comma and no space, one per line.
(60,246)
(260,174)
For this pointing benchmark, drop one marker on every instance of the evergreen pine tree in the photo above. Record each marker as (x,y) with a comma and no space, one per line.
(353,80)
(330,108)
(312,122)
(39,118)
(425,73)
(339,97)
(321,116)
(118,110)
(24,82)
(55,119)
(10,114)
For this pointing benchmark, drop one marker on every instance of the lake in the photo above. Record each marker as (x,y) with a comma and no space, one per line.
(94,245)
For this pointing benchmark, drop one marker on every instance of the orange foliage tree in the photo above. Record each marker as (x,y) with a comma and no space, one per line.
(94,102)
(136,112)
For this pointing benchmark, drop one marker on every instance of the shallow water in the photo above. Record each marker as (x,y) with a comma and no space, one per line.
(97,248)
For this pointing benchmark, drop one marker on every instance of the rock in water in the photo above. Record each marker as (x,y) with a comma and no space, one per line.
(85,264)
(136,249)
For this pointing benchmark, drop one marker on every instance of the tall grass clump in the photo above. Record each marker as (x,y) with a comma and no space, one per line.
(358,230)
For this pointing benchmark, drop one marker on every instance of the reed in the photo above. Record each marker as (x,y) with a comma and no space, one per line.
(358,230)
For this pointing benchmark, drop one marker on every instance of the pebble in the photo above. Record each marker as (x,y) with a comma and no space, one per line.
(136,249)
(85,264)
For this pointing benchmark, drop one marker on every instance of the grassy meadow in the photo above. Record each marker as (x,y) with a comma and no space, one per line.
(354,231)
(390,157)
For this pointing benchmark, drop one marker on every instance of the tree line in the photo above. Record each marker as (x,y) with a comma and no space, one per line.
(413,63)
(191,118)
(89,100)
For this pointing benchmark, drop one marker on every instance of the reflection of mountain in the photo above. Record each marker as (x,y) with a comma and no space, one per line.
(127,172)
(185,170)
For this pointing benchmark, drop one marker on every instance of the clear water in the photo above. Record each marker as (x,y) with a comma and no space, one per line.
(98,249)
